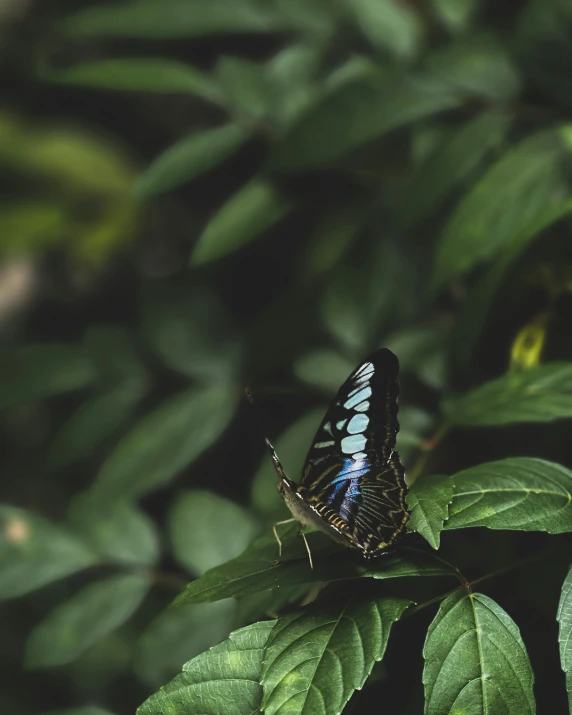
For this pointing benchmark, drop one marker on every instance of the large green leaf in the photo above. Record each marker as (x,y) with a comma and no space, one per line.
(388,24)
(475,660)
(479,65)
(97,419)
(85,619)
(252,210)
(564,617)
(358,112)
(540,394)
(455,15)
(224,679)
(190,329)
(33,372)
(453,161)
(117,531)
(513,192)
(189,157)
(169,19)
(206,530)
(292,447)
(179,634)
(429,499)
(245,85)
(520,493)
(165,441)
(316,659)
(324,369)
(139,75)
(260,569)
(34,552)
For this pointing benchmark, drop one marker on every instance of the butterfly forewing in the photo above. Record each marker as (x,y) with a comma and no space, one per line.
(351,469)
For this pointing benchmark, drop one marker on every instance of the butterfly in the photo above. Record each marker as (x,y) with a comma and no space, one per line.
(353,484)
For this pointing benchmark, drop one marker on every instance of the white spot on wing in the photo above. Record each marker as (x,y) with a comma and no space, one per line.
(360,396)
(365,370)
(358,424)
(320,445)
(341,424)
(362,407)
(354,443)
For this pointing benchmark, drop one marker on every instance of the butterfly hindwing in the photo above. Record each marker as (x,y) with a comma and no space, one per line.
(351,471)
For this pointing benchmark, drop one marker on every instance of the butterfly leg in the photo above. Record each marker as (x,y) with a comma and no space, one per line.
(279,523)
(303,535)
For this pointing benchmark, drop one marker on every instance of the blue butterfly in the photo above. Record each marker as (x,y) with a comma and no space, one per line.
(353,484)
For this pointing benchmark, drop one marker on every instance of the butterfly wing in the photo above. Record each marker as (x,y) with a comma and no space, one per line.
(351,470)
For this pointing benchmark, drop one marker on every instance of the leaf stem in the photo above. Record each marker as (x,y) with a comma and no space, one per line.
(468,585)
(426,449)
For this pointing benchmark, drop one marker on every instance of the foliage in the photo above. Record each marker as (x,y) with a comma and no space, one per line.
(206,196)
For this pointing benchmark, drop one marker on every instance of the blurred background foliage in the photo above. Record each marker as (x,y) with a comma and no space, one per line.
(202,196)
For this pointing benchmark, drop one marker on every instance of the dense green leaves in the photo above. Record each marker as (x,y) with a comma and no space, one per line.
(358,112)
(515,190)
(166,441)
(207,530)
(388,24)
(475,660)
(256,207)
(540,394)
(229,673)
(519,493)
(91,614)
(260,569)
(315,661)
(429,501)
(34,552)
(33,372)
(565,632)
(188,158)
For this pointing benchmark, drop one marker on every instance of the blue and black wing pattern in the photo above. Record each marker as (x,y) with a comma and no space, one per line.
(353,477)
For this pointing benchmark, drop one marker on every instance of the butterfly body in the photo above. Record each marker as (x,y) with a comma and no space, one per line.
(353,484)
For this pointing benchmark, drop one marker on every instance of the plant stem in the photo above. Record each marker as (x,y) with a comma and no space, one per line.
(426,449)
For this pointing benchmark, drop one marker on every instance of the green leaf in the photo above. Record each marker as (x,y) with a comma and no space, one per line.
(229,673)
(188,158)
(539,394)
(292,447)
(453,161)
(316,659)
(97,419)
(170,19)
(428,500)
(192,331)
(245,85)
(252,210)
(179,634)
(165,441)
(455,15)
(564,618)
(117,532)
(34,552)
(85,619)
(475,660)
(33,372)
(389,25)
(260,569)
(479,65)
(325,369)
(421,352)
(138,75)
(206,530)
(414,426)
(520,493)
(355,113)
(478,302)
(513,192)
